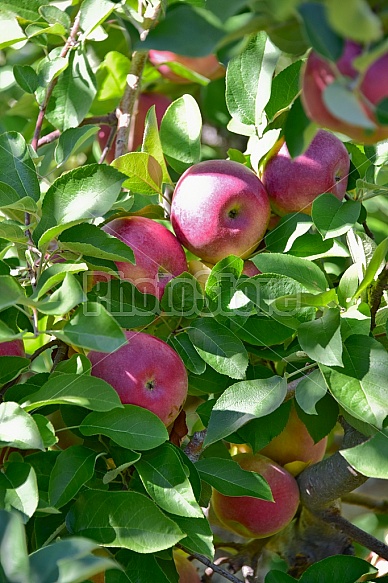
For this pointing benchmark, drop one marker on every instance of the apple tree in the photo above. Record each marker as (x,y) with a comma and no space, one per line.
(193,270)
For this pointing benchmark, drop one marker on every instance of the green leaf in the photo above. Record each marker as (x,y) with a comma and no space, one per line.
(92,327)
(127,304)
(260,330)
(219,347)
(382,111)
(332,217)
(64,299)
(11,32)
(275,576)
(90,240)
(10,200)
(17,167)
(242,402)
(123,519)
(11,367)
(83,193)
(321,338)
(322,37)
(146,568)
(230,479)
(180,133)
(221,284)
(53,15)
(199,537)
(321,424)
(285,88)
(298,129)
(13,548)
(359,387)
(54,275)
(19,480)
(373,267)
(249,78)
(339,569)
(311,389)
(302,270)
(67,560)
(164,477)
(26,77)
(152,144)
(182,24)
(144,173)
(73,468)
(73,94)
(370,458)
(346,18)
(183,297)
(13,232)
(131,427)
(288,229)
(18,428)
(94,12)
(71,140)
(46,429)
(74,389)
(343,104)
(184,347)
(111,475)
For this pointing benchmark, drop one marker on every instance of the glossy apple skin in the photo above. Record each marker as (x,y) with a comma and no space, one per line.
(185,568)
(146,101)
(254,518)
(12,348)
(208,66)
(219,208)
(158,254)
(319,73)
(146,372)
(293,184)
(295,443)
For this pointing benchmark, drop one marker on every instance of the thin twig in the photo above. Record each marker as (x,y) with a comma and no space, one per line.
(60,354)
(214,567)
(367,230)
(378,505)
(108,144)
(109,119)
(376,294)
(194,448)
(43,348)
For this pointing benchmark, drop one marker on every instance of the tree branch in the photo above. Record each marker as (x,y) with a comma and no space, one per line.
(380,506)
(109,119)
(213,566)
(376,294)
(194,448)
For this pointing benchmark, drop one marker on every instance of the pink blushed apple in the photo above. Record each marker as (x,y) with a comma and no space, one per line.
(207,66)
(293,184)
(158,254)
(219,208)
(252,517)
(146,372)
(369,89)
(12,348)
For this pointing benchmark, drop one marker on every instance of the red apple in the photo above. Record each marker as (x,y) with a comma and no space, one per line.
(293,184)
(208,66)
(186,570)
(146,372)
(146,101)
(219,208)
(369,89)
(12,348)
(295,443)
(158,254)
(254,518)
(250,268)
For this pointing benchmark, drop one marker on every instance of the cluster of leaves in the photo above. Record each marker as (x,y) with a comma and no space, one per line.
(119,481)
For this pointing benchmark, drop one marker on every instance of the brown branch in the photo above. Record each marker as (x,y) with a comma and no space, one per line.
(71,41)
(367,230)
(360,536)
(60,354)
(205,561)
(126,109)
(108,144)
(194,448)
(109,119)
(376,294)
(378,505)
(43,348)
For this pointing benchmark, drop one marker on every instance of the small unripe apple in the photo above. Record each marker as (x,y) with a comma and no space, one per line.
(252,517)
(295,443)
(369,89)
(293,184)
(146,372)
(185,568)
(146,100)
(207,66)
(12,348)
(219,208)
(158,254)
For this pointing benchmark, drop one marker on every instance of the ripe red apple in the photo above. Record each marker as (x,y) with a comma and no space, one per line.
(12,348)
(250,268)
(219,208)
(254,518)
(146,101)
(370,89)
(295,443)
(208,66)
(158,254)
(293,184)
(146,372)
(186,570)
